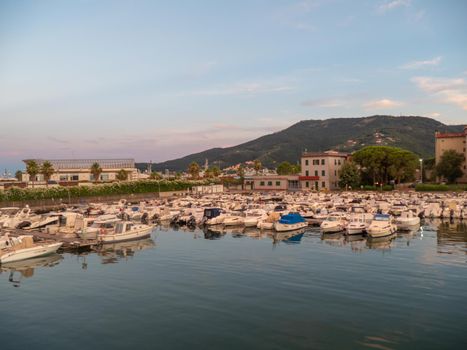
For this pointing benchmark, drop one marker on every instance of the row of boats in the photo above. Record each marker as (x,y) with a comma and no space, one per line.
(373,214)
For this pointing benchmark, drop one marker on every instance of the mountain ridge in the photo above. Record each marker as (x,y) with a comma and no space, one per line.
(415,133)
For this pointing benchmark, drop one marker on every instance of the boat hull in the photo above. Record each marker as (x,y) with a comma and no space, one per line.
(28,253)
(125,237)
(289,227)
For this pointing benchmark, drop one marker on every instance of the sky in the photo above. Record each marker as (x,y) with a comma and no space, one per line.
(156,80)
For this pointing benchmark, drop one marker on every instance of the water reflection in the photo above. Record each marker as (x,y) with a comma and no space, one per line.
(113,253)
(25,268)
(381,243)
(451,237)
(291,237)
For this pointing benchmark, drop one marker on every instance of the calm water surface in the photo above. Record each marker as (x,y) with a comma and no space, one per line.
(244,290)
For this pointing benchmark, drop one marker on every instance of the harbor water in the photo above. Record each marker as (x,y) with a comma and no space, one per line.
(244,289)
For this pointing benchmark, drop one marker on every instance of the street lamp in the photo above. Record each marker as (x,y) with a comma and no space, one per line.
(421,170)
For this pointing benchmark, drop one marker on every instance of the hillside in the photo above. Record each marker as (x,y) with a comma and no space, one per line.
(345,134)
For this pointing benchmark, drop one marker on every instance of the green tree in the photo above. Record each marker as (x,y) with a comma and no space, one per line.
(383,163)
(215,171)
(32,169)
(296,169)
(257,166)
(122,175)
(449,166)
(193,170)
(19,175)
(349,175)
(47,170)
(403,165)
(96,171)
(284,168)
(155,176)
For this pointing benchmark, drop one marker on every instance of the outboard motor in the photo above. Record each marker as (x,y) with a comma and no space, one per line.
(145,218)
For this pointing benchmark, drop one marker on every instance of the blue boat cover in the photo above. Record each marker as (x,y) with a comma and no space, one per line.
(292,218)
(381,217)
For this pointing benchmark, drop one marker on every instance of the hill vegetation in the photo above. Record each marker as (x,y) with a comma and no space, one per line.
(413,133)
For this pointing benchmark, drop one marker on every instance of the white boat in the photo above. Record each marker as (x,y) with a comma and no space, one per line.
(407,221)
(381,226)
(358,224)
(104,223)
(23,247)
(290,222)
(233,219)
(335,222)
(125,231)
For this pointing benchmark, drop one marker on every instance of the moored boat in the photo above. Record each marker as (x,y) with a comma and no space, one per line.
(23,247)
(381,226)
(290,222)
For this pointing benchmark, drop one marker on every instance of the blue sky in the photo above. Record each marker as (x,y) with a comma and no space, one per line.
(155,80)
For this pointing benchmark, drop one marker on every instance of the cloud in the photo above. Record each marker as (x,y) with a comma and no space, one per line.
(393,4)
(447,90)
(249,88)
(422,64)
(382,104)
(324,102)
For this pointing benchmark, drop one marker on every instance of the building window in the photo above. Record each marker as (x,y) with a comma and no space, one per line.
(323,173)
(323,184)
(269,183)
(63,177)
(322,161)
(105,177)
(315,161)
(335,161)
(307,173)
(316,172)
(316,185)
(306,161)
(339,162)
(278,183)
(74,177)
(261,183)
(335,172)
(307,184)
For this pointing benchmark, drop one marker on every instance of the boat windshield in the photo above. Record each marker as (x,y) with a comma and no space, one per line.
(331,218)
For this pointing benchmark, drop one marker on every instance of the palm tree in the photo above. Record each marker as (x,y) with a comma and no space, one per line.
(19,175)
(96,171)
(32,169)
(47,171)
(122,175)
(193,170)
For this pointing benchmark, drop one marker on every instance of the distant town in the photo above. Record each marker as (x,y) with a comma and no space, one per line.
(371,167)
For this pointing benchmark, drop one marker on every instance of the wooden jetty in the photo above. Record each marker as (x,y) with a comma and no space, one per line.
(69,243)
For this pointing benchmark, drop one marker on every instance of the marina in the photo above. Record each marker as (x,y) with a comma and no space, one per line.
(247,270)
(246,288)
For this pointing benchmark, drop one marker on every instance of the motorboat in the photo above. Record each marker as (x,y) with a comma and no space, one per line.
(335,222)
(290,222)
(407,221)
(124,231)
(381,226)
(234,219)
(268,222)
(358,224)
(23,247)
(104,223)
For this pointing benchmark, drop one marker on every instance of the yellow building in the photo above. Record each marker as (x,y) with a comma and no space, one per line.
(452,141)
(320,170)
(79,170)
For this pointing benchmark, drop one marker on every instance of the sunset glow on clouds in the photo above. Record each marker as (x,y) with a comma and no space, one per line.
(159,80)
